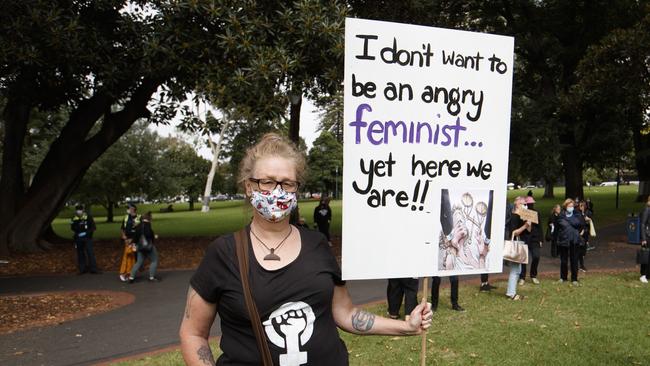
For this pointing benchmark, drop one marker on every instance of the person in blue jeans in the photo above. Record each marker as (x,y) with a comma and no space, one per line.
(518,228)
(145,237)
(83,227)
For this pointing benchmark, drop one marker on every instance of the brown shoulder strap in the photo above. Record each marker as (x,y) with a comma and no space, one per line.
(241,243)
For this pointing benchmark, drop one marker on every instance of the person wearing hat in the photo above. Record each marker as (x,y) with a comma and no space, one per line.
(534,241)
(128,230)
(83,227)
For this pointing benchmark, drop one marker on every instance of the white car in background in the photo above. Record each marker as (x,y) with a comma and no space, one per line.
(607,184)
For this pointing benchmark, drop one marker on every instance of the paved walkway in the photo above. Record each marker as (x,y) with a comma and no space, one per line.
(152,321)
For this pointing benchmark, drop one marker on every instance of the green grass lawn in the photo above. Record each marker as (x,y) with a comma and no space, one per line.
(223,217)
(603,198)
(604,322)
(228,216)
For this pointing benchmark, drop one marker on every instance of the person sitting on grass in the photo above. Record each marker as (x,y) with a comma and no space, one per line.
(146,249)
(294,279)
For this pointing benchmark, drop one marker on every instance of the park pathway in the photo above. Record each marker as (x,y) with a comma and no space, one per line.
(151,322)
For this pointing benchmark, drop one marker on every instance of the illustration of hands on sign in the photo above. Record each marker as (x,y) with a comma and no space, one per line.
(466,227)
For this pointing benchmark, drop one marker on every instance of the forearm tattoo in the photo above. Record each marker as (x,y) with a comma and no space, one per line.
(205,355)
(190,295)
(363,321)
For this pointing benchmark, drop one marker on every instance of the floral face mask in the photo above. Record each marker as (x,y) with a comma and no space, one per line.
(274,206)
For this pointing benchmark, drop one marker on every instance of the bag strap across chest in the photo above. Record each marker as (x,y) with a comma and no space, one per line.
(241,244)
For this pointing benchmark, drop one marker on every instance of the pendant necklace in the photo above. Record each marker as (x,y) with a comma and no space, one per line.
(272,256)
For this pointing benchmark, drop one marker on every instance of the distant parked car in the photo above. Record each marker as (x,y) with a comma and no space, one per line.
(221,197)
(607,184)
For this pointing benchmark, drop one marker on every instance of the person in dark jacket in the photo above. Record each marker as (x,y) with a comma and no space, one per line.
(146,249)
(323,217)
(645,232)
(83,226)
(534,243)
(584,243)
(570,225)
(552,229)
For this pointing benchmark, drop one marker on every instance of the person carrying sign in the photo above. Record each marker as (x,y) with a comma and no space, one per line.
(293,279)
(534,245)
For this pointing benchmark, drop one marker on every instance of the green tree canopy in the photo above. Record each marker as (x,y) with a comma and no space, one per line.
(325,164)
(108,63)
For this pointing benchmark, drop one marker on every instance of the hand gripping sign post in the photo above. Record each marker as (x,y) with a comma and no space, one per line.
(426,132)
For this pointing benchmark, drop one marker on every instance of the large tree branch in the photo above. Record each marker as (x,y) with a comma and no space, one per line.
(116,124)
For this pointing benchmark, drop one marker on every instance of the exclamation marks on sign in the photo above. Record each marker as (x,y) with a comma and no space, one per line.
(416,192)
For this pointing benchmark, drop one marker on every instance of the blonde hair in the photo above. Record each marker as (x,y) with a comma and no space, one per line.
(271,144)
(567,202)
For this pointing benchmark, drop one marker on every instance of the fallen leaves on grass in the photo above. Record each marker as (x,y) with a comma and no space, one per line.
(173,253)
(21,312)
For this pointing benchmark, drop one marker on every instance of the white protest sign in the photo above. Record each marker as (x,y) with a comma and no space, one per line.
(426,133)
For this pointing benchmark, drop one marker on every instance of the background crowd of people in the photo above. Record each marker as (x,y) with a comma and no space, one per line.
(569,231)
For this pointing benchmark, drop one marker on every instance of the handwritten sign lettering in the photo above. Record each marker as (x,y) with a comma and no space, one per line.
(426,133)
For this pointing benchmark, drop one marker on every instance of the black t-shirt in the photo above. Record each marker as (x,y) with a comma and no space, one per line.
(515,223)
(298,297)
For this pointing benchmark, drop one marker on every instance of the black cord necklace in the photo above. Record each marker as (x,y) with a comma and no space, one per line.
(272,256)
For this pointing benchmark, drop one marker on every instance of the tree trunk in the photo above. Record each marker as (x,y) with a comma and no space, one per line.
(216,150)
(110,216)
(191,203)
(66,162)
(50,236)
(548,189)
(208,182)
(642,162)
(294,114)
(295,98)
(572,174)
(12,187)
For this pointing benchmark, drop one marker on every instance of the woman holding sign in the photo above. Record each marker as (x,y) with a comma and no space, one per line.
(290,285)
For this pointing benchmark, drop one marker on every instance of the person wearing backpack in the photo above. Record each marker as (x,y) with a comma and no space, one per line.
(144,239)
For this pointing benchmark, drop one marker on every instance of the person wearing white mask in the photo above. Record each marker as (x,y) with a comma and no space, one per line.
(570,226)
(293,277)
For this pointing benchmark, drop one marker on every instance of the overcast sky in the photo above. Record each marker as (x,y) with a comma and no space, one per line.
(308,125)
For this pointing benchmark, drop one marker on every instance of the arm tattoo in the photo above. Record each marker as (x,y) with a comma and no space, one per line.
(205,355)
(363,321)
(190,295)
